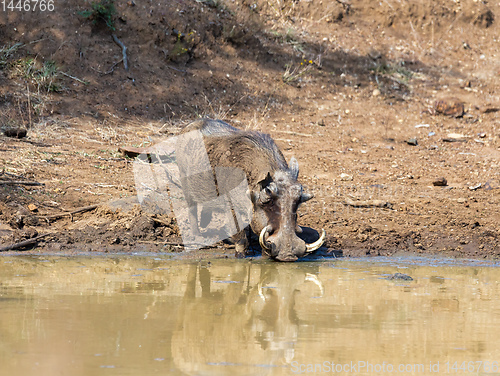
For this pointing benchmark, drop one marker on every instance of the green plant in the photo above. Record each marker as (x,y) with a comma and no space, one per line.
(183,44)
(178,49)
(7,52)
(399,71)
(101,12)
(45,77)
(288,37)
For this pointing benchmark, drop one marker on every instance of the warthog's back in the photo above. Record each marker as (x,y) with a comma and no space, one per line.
(254,152)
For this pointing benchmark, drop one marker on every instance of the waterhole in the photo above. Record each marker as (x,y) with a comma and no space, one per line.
(156,316)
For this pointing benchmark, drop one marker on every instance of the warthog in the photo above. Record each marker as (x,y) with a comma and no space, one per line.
(273,189)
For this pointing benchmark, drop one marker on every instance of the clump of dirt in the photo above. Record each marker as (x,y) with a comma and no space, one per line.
(348,88)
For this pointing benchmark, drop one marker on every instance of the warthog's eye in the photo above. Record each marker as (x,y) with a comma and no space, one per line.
(266,195)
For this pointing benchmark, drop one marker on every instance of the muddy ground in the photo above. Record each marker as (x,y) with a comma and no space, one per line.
(378,101)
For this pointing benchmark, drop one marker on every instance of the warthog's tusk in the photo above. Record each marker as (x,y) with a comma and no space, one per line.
(318,243)
(262,238)
(261,294)
(314,279)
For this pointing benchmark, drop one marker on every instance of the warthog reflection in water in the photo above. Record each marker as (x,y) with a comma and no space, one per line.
(253,314)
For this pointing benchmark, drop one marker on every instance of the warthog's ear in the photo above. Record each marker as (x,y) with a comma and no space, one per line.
(306,196)
(294,168)
(264,179)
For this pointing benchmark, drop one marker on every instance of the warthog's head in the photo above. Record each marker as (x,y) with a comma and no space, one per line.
(276,198)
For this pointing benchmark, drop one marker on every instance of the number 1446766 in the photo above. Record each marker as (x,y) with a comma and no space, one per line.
(27,5)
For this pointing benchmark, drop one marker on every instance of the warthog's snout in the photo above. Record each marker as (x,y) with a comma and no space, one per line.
(286,245)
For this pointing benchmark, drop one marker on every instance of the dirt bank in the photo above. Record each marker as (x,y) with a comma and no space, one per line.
(378,101)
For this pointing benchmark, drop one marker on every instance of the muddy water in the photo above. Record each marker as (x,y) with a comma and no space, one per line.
(155,316)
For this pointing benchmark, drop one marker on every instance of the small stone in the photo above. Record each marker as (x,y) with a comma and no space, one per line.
(461,200)
(450,107)
(400,276)
(345,177)
(15,132)
(455,137)
(375,54)
(489,109)
(376,92)
(32,207)
(412,141)
(476,187)
(31,220)
(440,182)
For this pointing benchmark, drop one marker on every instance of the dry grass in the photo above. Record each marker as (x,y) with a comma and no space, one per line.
(293,74)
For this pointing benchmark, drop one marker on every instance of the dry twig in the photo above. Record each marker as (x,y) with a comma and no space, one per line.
(76,211)
(15,182)
(124,51)
(24,243)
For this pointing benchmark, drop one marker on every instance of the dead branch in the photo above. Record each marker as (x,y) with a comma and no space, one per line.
(367,203)
(76,211)
(124,51)
(181,245)
(16,182)
(75,78)
(24,243)
(160,221)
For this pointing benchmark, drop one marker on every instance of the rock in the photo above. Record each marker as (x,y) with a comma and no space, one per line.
(450,107)
(133,152)
(368,203)
(476,187)
(32,207)
(489,109)
(440,182)
(455,137)
(15,132)
(375,54)
(365,229)
(461,200)
(345,177)
(412,141)
(400,276)
(376,93)
(31,220)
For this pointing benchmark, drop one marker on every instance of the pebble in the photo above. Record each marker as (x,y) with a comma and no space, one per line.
(32,207)
(15,132)
(345,177)
(400,276)
(450,107)
(376,92)
(455,137)
(476,187)
(412,141)
(440,182)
